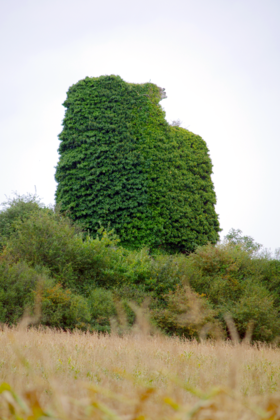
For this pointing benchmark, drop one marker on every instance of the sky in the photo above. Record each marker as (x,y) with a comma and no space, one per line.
(218,61)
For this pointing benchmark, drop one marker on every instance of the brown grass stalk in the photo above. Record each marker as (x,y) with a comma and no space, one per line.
(61,375)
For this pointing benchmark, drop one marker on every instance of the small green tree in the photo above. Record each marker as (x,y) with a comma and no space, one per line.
(121,163)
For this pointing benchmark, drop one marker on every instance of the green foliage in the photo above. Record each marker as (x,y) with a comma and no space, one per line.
(122,164)
(270,270)
(186,313)
(233,282)
(14,209)
(102,308)
(246,242)
(50,240)
(20,285)
(63,309)
(188,195)
(220,271)
(256,305)
(17,283)
(131,294)
(83,282)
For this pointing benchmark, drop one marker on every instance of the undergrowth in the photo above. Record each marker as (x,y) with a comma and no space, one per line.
(83,282)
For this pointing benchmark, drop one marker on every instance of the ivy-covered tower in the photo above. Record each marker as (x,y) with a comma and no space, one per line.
(121,164)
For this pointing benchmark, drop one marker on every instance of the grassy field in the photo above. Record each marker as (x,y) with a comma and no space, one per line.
(59,375)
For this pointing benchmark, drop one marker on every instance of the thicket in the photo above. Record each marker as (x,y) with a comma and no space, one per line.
(121,164)
(85,282)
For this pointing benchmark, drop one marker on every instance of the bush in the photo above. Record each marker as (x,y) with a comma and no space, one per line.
(50,240)
(17,283)
(63,309)
(186,313)
(82,278)
(21,287)
(14,209)
(102,308)
(233,282)
(121,163)
(270,269)
(256,305)
(106,305)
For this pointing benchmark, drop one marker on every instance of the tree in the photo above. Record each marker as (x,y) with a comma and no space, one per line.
(235,237)
(20,207)
(122,164)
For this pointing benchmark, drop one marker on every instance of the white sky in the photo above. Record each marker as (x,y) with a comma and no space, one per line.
(218,61)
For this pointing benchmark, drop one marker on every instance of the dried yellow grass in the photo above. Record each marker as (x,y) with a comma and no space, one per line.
(60,375)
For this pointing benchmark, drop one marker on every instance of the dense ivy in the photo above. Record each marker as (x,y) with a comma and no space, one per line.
(122,164)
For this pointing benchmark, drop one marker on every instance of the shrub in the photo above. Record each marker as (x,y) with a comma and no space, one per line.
(22,286)
(232,281)
(167,271)
(102,308)
(14,209)
(220,271)
(256,305)
(50,240)
(17,283)
(186,313)
(270,269)
(78,270)
(106,305)
(63,309)
(121,163)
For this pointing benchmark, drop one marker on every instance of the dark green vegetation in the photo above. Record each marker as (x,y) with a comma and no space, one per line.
(121,164)
(84,282)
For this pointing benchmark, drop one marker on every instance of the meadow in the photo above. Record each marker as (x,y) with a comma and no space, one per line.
(47,373)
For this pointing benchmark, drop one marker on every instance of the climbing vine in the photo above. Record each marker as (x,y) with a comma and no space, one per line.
(122,164)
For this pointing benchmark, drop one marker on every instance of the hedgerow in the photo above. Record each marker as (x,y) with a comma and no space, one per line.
(84,282)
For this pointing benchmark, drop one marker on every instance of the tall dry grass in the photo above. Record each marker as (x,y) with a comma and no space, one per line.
(60,375)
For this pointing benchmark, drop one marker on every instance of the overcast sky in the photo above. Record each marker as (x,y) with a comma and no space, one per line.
(217,59)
